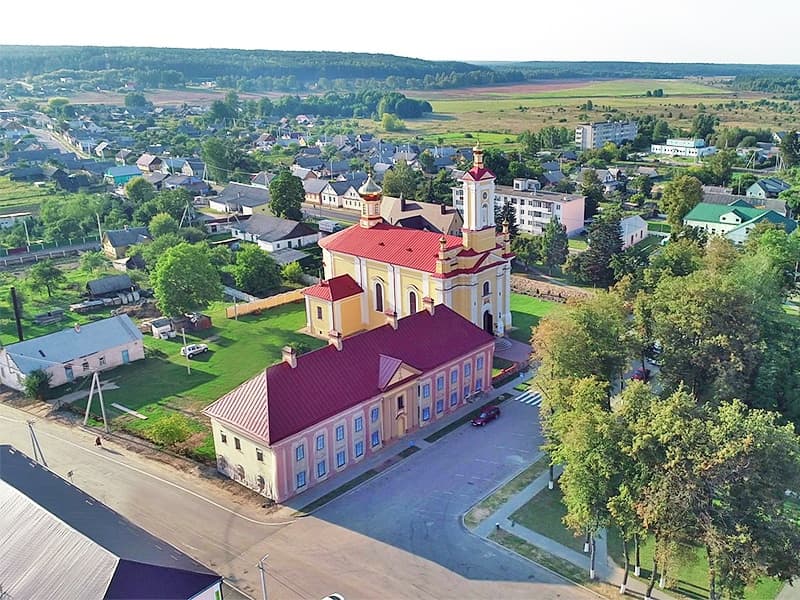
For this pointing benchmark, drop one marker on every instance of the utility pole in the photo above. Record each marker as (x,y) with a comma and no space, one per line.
(17,316)
(96,385)
(188,360)
(99,228)
(262,570)
(38,455)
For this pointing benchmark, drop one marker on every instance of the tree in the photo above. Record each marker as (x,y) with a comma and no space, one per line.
(221,157)
(170,430)
(255,271)
(292,272)
(605,241)
(720,166)
(153,251)
(392,123)
(135,100)
(661,131)
(139,191)
(162,224)
(401,180)
(703,125)
(680,196)
(592,189)
(507,212)
(287,195)
(45,275)
(427,160)
(37,384)
(790,149)
(527,249)
(93,261)
(554,244)
(184,280)
(643,184)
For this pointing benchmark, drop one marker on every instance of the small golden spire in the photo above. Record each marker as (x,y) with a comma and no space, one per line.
(477,153)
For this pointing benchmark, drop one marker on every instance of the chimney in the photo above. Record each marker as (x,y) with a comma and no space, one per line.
(427,304)
(443,209)
(289,356)
(391,319)
(335,339)
(402,203)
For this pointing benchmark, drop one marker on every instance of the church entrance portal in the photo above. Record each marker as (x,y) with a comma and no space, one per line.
(488,322)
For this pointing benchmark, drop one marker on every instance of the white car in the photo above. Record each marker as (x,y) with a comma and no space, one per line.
(193,349)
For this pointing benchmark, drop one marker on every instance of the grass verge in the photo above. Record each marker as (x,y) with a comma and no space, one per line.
(489,505)
(543,514)
(526,311)
(465,419)
(554,563)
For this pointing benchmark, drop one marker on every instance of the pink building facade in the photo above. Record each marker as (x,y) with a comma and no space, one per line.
(370,391)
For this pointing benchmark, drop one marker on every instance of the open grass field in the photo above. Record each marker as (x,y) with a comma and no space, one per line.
(691,580)
(526,311)
(544,513)
(160,385)
(21,196)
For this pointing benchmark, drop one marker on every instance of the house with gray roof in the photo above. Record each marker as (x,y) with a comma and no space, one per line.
(74,352)
(60,542)
(240,198)
(273,233)
(109,286)
(769,187)
(117,241)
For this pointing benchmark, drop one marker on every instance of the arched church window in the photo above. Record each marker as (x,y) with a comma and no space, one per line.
(487,288)
(378,297)
(484,214)
(412,302)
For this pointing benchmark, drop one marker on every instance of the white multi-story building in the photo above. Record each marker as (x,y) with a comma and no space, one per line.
(683,147)
(596,135)
(535,208)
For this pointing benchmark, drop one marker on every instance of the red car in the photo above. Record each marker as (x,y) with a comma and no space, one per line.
(490,413)
(641,375)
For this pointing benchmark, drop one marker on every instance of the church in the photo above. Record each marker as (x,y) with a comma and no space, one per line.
(374,270)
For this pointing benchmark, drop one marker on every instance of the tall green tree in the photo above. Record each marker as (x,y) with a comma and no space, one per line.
(507,212)
(720,166)
(402,180)
(286,196)
(592,189)
(605,242)
(162,224)
(221,158)
(680,196)
(255,271)
(45,275)
(139,191)
(703,125)
(526,249)
(790,149)
(554,245)
(184,280)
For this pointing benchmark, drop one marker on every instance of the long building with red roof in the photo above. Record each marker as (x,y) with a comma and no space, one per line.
(309,417)
(397,267)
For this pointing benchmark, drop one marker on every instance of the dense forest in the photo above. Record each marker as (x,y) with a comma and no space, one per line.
(780,85)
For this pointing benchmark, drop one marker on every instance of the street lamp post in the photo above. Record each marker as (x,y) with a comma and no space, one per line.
(262,570)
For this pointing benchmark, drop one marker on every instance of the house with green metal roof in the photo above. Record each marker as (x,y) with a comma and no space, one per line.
(734,221)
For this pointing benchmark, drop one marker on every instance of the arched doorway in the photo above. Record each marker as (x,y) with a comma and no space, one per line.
(401,425)
(488,322)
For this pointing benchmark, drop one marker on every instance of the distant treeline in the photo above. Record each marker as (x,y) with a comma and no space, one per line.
(781,85)
(245,70)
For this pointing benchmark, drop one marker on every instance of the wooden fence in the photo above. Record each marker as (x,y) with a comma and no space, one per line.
(251,307)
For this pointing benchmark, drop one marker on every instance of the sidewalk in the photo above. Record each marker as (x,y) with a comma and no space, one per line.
(607,570)
(388,453)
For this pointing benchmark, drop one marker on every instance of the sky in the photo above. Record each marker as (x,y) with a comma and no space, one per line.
(721,31)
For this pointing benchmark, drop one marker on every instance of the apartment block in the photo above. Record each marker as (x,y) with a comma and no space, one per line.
(595,135)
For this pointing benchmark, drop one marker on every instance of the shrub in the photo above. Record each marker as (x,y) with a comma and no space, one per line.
(37,384)
(170,430)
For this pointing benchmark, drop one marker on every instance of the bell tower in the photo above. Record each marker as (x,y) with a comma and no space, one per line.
(371,194)
(479,227)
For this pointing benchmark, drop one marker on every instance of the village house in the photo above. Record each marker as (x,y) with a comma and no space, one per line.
(273,233)
(147,163)
(116,242)
(734,221)
(769,187)
(240,198)
(119,176)
(74,352)
(342,194)
(426,216)
(358,395)
(634,230)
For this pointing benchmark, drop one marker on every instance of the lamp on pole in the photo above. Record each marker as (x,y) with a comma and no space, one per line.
(262,570)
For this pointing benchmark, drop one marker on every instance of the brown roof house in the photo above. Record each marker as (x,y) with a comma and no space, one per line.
(421,215)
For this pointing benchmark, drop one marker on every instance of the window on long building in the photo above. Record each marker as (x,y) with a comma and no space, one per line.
(412,303)
(378,297)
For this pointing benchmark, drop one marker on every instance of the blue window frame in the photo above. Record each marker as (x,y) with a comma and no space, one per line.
(453,398)
(320,442)
(467,370)
(321,469)
(300,452)
(376,438)
(358,450)
(479,363)
(374,414)
(301,479)
(439,405)
(426,413)
(440,383)
(359,423)
(426,390)
(454,376)
(478,384)
(340,459)
(340,433)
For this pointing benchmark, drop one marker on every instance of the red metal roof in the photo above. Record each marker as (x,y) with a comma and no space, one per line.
(282,401)
(478,173)
(399,246)
(335,288)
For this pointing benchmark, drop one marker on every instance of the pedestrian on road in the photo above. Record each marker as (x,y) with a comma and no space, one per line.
(98,442)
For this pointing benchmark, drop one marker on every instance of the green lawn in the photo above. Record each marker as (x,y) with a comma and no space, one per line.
(21,196)
(544,513)
(498,364)
(578,243)
(525,314)
(160,384)
(692,580)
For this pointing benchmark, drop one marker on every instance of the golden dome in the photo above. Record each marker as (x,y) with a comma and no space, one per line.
(370,188)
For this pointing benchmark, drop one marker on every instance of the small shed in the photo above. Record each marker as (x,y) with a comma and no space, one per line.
(108,286)
(162,328)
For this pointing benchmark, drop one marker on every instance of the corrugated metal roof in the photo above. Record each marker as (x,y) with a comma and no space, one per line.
(43,557)
(282,400)
(71,344)
(336,288)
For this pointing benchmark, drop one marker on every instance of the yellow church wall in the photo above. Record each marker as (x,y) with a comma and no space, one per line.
(350,309)
(344,264)
(320,317)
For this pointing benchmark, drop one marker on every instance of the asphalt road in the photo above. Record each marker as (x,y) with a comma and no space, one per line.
(316,211)
(398,536)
